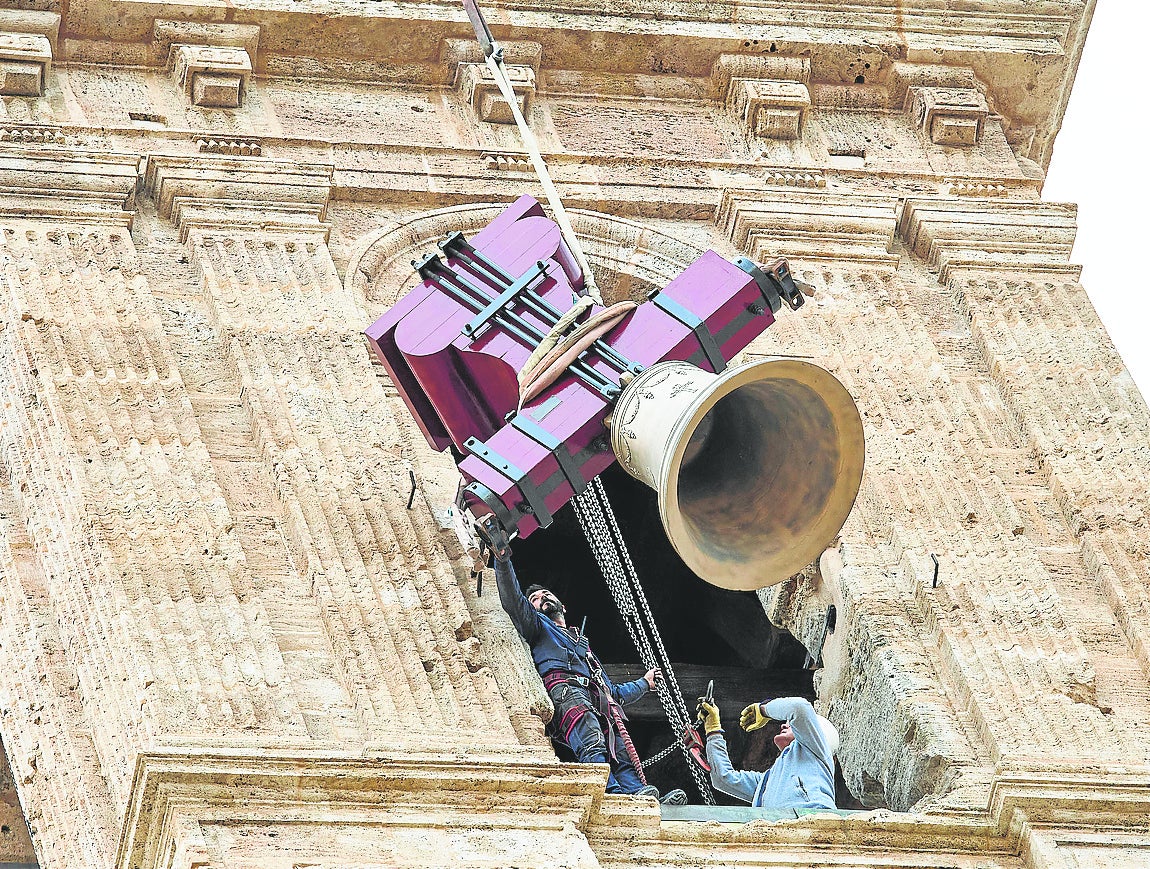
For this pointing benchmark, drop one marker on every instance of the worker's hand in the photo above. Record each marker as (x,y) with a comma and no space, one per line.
(491,532)
(709,712)
(753,717)
(653,677)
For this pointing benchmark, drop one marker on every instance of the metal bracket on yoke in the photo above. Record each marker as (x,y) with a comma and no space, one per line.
(557,448)
(426,267)
(692,321)
(504,467)
(775,282)
(484,494)
(504,298)
(814,659)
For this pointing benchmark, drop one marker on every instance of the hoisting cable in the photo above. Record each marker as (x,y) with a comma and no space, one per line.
(592,507)
(493,55)
(597,519)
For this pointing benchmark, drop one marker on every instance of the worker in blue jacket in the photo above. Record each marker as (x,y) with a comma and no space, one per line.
(803,775)
(588,715)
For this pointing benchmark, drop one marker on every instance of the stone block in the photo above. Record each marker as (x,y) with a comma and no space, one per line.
(212,76)
(212,89)
(948,116)
(478,86)
(770,108)
(25,60)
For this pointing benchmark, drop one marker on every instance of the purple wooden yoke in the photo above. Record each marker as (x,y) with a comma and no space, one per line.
(457,371)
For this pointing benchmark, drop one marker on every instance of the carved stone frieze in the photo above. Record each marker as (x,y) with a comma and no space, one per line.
(231,147)
(32,134)
(506,161)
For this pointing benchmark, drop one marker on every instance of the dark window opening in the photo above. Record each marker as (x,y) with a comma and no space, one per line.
(709,633)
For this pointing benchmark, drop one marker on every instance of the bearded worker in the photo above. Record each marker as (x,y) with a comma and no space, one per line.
(588,715)
(803,775)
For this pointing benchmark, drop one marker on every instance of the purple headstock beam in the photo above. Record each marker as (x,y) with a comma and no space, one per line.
(455,343)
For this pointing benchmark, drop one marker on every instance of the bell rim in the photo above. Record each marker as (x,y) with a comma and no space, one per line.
(847,486)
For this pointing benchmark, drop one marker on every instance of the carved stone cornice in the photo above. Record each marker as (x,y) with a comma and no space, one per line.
(845,45)
(810,226)
(990,234)
(67,186)
(208,192)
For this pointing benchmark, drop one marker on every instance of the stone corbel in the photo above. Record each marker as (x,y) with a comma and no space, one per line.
(948,116)
(25,61)
(770,108)
(476,84)
(212,76)
(767,94)
(27,46)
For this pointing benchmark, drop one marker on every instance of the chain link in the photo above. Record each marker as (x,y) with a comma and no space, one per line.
(600,527)
(662,755)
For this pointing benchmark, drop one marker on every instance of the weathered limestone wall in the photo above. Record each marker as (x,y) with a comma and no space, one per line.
(228,641)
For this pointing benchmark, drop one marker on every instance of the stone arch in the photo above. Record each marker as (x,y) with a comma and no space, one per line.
(629,258)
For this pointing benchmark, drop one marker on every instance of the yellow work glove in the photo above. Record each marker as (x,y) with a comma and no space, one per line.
(752,718)
(709,712)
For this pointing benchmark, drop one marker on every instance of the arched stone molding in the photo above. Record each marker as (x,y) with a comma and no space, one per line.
(629,258)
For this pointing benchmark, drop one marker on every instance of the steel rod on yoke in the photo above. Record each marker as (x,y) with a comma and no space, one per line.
(493,55)
(520,328)
(461,250)
(526,332)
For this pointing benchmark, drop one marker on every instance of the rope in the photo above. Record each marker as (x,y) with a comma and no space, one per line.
(495,64)
(601,529)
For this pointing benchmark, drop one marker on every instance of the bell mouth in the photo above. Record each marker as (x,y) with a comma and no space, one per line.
(764,468)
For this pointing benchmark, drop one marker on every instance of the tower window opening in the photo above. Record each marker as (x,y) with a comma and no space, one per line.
(709,633)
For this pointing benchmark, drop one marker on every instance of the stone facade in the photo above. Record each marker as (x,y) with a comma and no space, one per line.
(227,640)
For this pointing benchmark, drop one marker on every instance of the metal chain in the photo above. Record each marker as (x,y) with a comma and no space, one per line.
(662,755)
(597,519)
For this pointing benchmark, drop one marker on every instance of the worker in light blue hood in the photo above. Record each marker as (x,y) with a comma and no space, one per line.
(803,776)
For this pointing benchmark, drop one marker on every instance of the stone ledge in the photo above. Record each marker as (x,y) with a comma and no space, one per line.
(177,792)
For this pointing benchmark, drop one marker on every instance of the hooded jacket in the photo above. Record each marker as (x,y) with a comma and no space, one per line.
(803,776)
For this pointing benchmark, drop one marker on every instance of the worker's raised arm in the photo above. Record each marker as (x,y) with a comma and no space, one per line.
(800,714)
(738,783)
(515,603)
(523,615)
